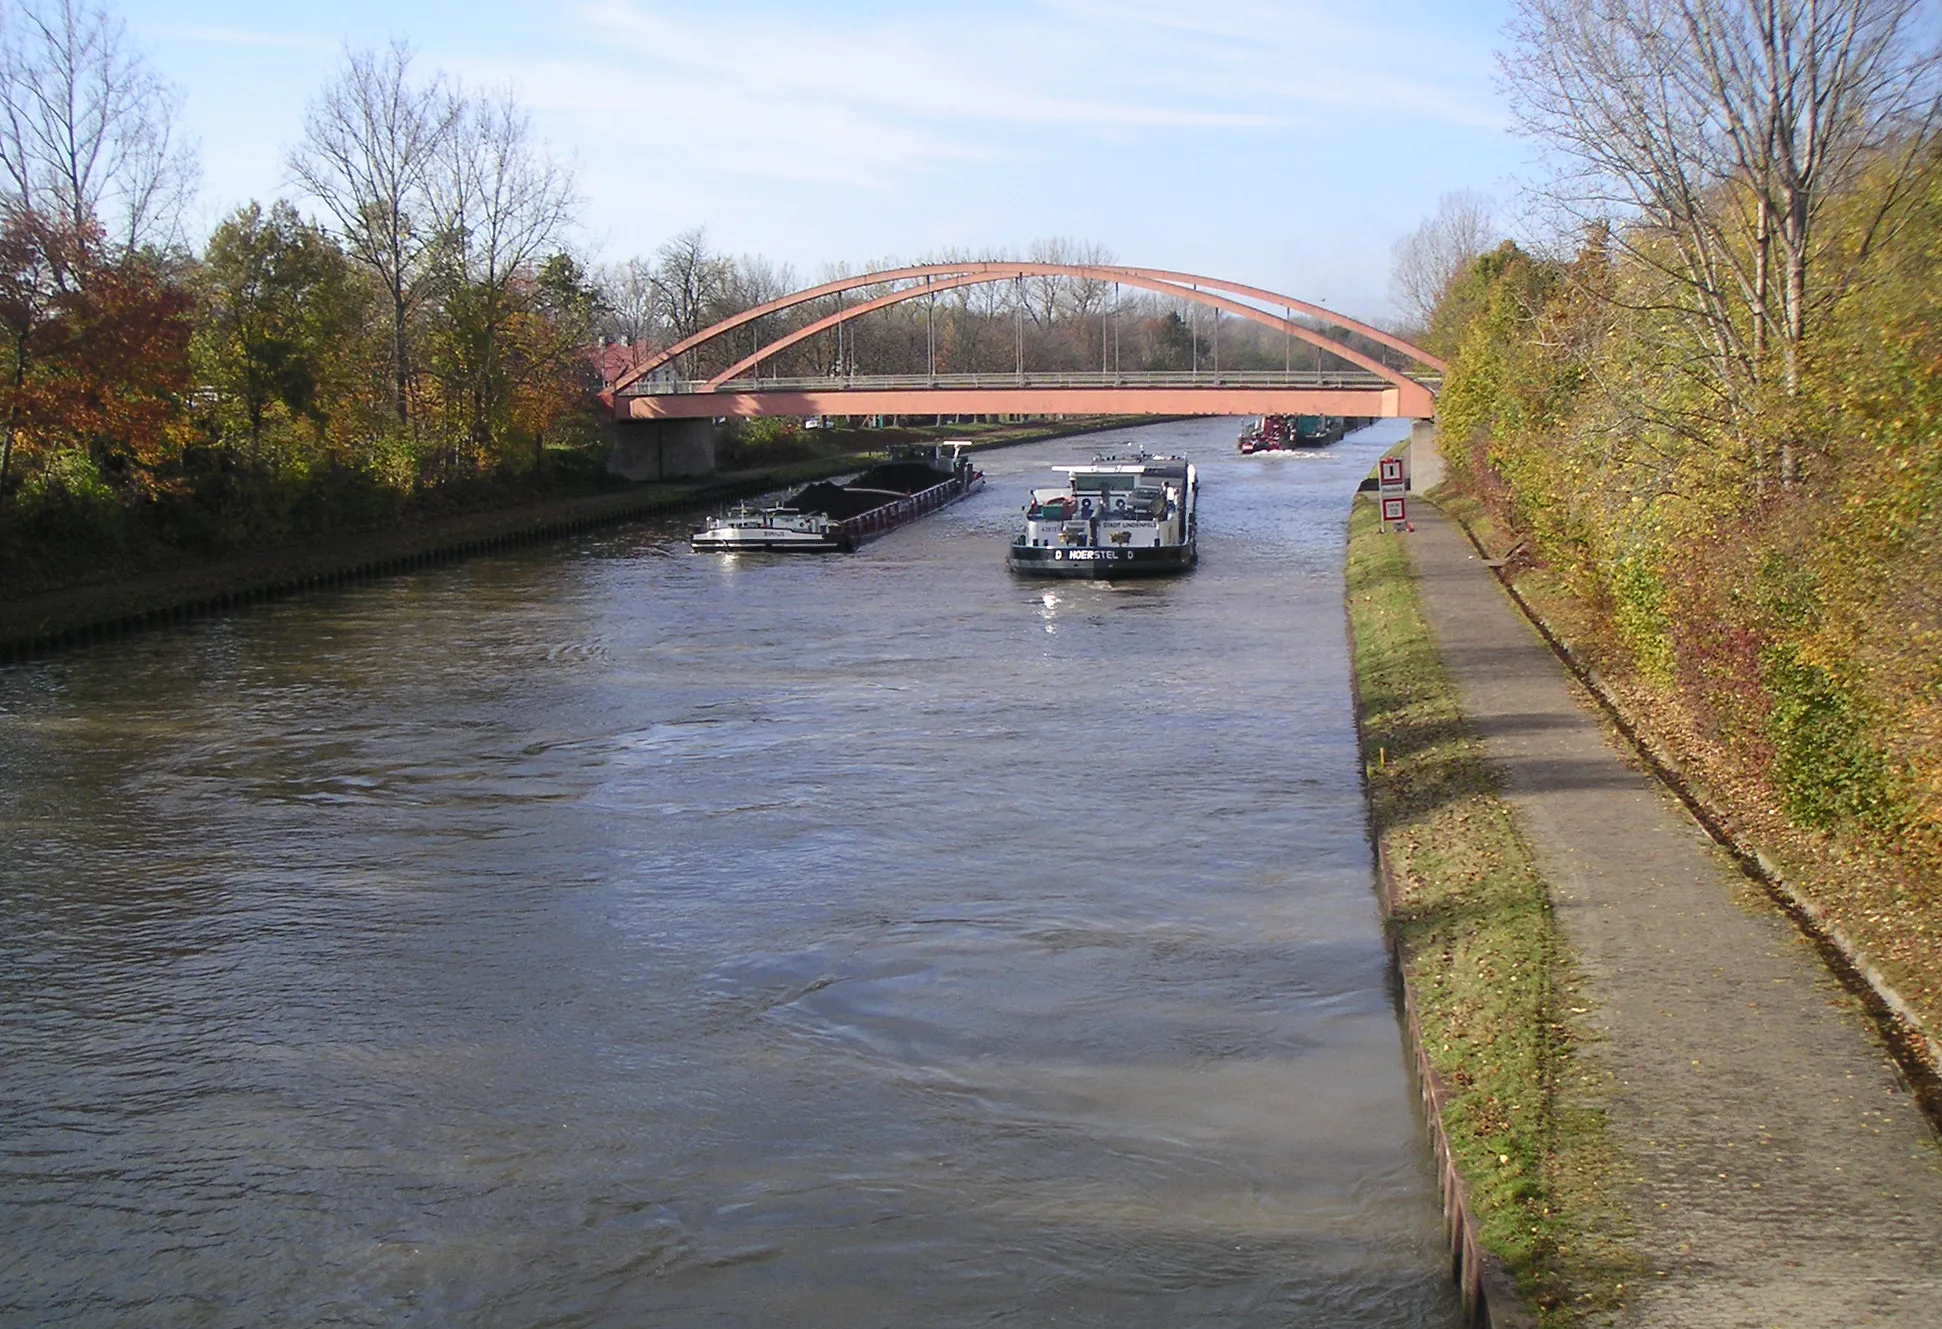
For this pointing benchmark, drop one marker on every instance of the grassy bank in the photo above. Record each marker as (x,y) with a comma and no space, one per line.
(1482,956)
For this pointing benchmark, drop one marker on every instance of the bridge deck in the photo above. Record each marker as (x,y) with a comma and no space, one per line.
(1248,392)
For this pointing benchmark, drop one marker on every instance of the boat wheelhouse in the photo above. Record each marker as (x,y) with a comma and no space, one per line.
(1115,516)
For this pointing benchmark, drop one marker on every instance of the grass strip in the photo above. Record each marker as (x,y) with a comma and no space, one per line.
(1482,956)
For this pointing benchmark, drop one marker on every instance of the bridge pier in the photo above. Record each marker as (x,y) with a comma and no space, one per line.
(1425,457)
(647,450)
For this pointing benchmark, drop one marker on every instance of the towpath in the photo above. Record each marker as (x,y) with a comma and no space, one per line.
(1778,1171)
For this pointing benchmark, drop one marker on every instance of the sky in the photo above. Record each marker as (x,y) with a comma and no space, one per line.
(1284,144)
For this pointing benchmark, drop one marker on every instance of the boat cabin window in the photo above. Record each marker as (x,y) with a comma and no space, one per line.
(1096,484)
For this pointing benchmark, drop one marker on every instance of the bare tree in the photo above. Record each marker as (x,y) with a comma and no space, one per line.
(631,304)
(1043,295)
(87,130)
(1425,262)
(500,204)
(1717,132)
(688,275)
(746,282)
(372,144)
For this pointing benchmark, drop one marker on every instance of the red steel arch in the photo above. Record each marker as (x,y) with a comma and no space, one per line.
(1009,271)
(947,276)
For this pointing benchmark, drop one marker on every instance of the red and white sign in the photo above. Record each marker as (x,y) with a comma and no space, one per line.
(1391,473)
(1392,510)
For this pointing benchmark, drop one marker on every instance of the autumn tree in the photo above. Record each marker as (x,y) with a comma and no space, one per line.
(279,306)
(501,206)
(99,351)
(33,255)
(372,146)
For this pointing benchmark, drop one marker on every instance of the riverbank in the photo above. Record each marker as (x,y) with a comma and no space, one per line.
(89,610)
(1485,974)
(1879,931)
(1720,1137)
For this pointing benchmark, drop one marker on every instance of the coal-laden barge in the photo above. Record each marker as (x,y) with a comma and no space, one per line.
(827,518)
(1115,516)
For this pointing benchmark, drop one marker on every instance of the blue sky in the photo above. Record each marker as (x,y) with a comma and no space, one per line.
(1284,144)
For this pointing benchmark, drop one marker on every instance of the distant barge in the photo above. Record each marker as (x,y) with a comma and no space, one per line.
(1284,433)
(828,518)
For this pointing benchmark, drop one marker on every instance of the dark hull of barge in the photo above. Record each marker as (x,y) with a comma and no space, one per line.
(1097,564)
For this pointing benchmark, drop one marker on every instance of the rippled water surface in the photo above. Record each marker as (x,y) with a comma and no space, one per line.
(601,934)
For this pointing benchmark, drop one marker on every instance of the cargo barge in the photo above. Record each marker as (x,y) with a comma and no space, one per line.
(1116,516)
(1285,433)
(827,518)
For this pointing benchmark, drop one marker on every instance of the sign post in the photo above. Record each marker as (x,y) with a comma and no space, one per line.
(1395,507)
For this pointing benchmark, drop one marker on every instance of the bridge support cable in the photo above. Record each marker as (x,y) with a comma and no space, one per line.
(1018,324)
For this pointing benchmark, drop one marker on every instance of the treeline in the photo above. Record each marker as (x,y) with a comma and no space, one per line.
(425,337)
(1715,413)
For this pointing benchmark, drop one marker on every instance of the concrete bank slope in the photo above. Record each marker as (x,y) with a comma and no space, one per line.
(1779,1171)
(57,619)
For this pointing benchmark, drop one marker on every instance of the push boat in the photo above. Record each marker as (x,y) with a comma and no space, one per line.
(825,518)
(1285,433)
(1115,516)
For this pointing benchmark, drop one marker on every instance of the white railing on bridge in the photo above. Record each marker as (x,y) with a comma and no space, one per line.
(1354,379)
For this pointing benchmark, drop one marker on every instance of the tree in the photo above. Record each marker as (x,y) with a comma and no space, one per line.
(688,276)
(501,204)
(32,254)
(87,130)
(1425,262)
(744,283)
(279,302)
(99,350)
(630,303)
(1717,132)
(371,145)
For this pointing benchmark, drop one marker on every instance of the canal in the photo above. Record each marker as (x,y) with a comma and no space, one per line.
(599,934)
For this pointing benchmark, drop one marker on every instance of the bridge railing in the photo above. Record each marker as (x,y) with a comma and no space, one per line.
(1205,378)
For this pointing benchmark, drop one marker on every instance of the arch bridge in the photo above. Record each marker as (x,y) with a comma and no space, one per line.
(1352,384)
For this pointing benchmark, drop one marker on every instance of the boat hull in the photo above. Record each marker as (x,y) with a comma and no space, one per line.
(712,542)
(1099,564)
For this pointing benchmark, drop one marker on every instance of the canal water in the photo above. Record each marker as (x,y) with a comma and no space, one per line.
(600,934)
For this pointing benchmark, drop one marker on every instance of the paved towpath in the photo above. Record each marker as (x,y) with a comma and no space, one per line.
(1778,1172)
